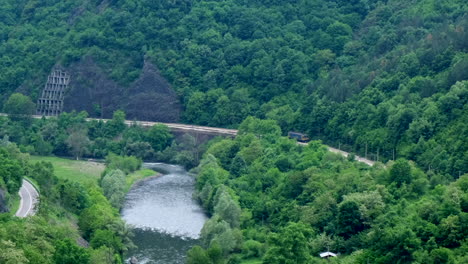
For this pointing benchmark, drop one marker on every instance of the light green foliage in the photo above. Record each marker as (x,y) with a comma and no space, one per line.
(197,255)
(19,106)
(218,231)
(290,245)
(10,254)
(261,128)
(116,125)
(106,238)
(114,184)
(103,255)
(370,204)
(227,208)
(123,163)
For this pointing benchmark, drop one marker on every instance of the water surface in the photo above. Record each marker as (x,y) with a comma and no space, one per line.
(166,219)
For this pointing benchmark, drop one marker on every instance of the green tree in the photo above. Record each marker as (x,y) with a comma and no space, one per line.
(67,252)
(11,254)
(19,106)
(401,172)
(113,183)
(228,209)
(106,238)
(197,255)
(290,246)
(116,125)
(78,142)
(350,220)
(159,136)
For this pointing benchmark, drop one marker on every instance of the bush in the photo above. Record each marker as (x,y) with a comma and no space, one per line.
(127,164)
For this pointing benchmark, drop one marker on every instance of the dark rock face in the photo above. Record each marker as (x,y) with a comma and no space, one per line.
(3,202)
(90,89)
(149,98)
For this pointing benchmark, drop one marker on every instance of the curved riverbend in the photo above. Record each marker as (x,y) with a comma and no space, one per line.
(167,221)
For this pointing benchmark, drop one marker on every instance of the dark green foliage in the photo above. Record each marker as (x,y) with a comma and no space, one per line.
(106,238)
(306,65)
(350,221)
(159,137)
(67,252)
(43,173)
(400,172)
(11,172)
(73,196)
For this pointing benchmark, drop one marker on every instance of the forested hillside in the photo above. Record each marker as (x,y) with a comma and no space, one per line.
(363,74)
(277,202)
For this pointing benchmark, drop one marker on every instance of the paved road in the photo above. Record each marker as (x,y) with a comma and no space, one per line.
(29,198)
(344,153)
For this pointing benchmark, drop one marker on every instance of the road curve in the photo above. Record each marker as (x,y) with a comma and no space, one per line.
(29,198)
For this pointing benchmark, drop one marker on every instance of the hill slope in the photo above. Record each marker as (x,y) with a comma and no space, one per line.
(373,76)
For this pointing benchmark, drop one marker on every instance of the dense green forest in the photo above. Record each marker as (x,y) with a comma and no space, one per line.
(386,79)
(274,200)
(371,76)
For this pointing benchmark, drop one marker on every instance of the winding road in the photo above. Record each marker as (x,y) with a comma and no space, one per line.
(29,198)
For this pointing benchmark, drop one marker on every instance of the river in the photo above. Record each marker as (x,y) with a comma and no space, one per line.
(166,220)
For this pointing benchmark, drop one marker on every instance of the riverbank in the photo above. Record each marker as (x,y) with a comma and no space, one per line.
(138,176)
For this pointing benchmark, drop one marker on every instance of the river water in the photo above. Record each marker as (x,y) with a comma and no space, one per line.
(166,220)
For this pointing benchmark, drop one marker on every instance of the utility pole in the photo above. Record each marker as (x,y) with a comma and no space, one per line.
(377,154)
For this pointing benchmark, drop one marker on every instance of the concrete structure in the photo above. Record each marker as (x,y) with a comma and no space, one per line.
(50,103)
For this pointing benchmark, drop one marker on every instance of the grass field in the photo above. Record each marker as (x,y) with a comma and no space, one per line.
(85,172)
